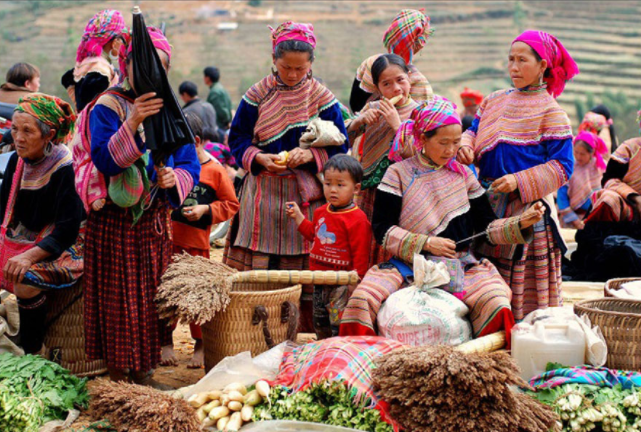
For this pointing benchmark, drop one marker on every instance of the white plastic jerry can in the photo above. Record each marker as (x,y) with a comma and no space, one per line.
(534,346)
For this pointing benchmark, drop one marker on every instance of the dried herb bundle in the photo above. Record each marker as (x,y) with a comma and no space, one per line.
(193,289)
(131,407)
(442,389)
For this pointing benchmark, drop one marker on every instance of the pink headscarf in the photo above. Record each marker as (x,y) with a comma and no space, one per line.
(428,116)
(562,67)
(293,31)
(157,38)
(597,144)
(102,28)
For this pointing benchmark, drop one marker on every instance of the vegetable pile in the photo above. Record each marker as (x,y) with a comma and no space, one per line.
(193,289)
(131,407)
(328,402)
(585,407)
(34,391)
(227,410)
(442,389)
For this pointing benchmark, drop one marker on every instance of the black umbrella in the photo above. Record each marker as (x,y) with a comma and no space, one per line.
(168,130)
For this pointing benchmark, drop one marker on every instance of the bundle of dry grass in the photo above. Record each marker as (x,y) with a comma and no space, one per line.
(131,407)
(442,389)
(193,289)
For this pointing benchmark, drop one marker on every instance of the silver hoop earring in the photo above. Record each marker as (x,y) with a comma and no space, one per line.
(48,149)
(310,75)
(274,72)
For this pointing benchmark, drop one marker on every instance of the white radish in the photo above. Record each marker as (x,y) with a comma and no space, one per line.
(263,389)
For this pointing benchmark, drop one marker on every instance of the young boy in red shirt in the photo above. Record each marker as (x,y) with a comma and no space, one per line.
(212,201)
(340,232)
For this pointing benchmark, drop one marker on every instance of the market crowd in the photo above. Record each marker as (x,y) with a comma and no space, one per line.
(399,174)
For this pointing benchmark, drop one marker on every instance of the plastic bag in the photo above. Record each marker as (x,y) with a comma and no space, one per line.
(292,426)
(240,368)
(424,317)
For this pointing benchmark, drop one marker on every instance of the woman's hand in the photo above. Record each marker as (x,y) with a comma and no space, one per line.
(194,213)
(269,162)
(390,114)
(166,177)
(293,211)
(578,224)
(532,215)
(505,184)
(465,155)
(439,246)
(144,106)
(298,157)
(16,267)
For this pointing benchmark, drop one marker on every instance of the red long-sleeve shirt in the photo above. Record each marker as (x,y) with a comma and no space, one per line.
(341,239)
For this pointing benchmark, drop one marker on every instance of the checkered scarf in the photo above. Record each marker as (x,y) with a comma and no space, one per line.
(102,28)
(408,33)
(50,110)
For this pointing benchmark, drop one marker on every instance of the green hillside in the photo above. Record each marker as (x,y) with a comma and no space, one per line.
(469,46)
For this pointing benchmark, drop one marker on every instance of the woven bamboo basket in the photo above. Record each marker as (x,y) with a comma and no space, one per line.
(620,322)
(65,337)
(614,284)
(263,311)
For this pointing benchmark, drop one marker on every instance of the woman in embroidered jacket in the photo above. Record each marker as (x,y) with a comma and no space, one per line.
(406,36)
(127,249)
(575,199)
(271,118)
(620,199)
(41,211)
(430,204)
(521,140)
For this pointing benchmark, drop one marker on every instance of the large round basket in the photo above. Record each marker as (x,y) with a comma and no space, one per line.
(620,322)
(614,284)
(65,336)
(263,311)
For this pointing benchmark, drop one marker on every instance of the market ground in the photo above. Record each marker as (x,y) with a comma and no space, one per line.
(180,376)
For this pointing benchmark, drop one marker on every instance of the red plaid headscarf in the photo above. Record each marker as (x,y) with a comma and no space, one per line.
(408,33)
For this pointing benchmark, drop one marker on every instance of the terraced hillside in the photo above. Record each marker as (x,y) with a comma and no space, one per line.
(469,46)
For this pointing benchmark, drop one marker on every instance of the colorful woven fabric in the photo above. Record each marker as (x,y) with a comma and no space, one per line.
(62,272)
(121,278)
(157,38)
(585,181)
(282,108)
(561,66)
(471,97)
(601,377)
(408,33)
(432,197)
(515,117)
(221,152)
(507,231)
(37,176)
(428,116)
(593,122)
(52,111)
(102,28)
(597,144)
(420,88)
(338,359)
(293,31)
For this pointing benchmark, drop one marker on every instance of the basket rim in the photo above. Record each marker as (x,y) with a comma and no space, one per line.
(625,279)
(586,306)
(285,290)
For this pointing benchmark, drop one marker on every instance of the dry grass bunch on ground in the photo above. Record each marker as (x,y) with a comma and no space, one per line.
(442,389)
(194,289)
(131,407)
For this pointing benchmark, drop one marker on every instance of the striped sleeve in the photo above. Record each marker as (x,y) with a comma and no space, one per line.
(508,231)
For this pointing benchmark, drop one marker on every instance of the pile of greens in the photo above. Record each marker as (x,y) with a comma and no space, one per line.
(327,402)
(583,407)
(34,391)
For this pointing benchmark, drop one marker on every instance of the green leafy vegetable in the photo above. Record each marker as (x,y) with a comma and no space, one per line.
(327,402)
(34,391)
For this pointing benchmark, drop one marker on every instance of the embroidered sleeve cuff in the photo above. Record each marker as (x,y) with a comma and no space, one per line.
(404,244)
(184,184)
(249,156)
(123,147)
(539,181)
(320,158)
(508,231)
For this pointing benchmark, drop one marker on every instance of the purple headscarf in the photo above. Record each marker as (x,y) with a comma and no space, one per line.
(562,67)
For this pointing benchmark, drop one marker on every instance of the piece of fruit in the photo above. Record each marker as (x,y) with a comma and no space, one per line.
(284,155)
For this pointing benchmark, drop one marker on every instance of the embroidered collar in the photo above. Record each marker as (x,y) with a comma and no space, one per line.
(538,88)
